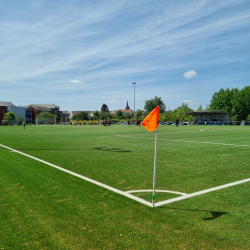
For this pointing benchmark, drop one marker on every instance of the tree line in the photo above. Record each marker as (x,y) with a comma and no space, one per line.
(10,118)
(235,101)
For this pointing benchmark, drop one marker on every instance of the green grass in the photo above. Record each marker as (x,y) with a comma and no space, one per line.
(44,208)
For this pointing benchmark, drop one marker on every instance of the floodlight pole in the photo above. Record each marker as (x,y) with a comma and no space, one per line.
(134,100)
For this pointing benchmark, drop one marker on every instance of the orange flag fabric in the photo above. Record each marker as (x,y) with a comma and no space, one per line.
(152,119)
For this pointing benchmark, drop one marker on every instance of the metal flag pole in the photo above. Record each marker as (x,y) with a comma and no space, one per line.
(156,140)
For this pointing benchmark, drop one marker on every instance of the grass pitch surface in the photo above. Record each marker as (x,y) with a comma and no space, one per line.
(44,208)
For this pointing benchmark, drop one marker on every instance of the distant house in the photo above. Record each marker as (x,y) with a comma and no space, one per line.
(3,110)
(64,115)
(73,113)
(127,110)
(38,108)
(6,107)
(90,113)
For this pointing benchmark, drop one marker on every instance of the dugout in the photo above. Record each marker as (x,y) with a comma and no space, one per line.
(210,117)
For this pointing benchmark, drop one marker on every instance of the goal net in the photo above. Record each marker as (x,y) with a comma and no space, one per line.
(45,121)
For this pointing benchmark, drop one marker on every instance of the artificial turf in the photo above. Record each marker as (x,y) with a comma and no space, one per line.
(44,208)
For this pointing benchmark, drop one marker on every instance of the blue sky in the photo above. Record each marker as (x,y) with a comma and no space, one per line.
(81,54)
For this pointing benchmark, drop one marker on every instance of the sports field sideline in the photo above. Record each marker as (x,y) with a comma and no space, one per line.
(45,208)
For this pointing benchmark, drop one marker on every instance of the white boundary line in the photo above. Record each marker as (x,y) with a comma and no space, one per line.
(158,191)
(200,192)
(185,196)
(84,178)
(199,142)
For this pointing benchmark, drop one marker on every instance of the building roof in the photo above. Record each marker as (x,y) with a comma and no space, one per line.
(65,112)
(44,107)
(211,112)
(125,110)
(6,104)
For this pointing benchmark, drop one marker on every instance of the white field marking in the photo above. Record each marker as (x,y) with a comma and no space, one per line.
(199,193)
(185,196)
(84,178)
(169,132)
(158,191)
(188,131)
(200,142)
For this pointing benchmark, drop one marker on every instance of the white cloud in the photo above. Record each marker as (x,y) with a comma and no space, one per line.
(104,97)
(190,74)
(187,101)
(113,100)
(75,81)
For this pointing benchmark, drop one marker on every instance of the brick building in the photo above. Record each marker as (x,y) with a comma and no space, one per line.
(3,110)
(38,108)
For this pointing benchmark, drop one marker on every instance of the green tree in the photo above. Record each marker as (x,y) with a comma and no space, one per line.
(208,108)
(128,116)
(104,115)
(138,113)
(83,115)
(200,108)
(153,103)
(74,117)
(163,117)
(46,115)
(222,100)
(96,115)
(119,114)
(180,113)
(19,120)
(9,117)
(241,104)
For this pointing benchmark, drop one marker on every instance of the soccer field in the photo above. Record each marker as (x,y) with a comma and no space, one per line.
(90,187)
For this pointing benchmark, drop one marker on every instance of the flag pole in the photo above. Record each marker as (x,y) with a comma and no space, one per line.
(156,140)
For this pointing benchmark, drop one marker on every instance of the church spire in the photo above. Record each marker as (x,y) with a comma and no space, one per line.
(127,107)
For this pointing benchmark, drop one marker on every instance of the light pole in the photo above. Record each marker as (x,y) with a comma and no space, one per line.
(134,100)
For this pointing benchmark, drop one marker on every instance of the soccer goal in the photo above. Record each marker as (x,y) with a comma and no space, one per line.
(45,121)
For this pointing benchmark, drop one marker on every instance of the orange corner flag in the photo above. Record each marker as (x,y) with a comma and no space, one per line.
(152,119)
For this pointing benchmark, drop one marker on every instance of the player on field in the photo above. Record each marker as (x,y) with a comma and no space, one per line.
(23,124)
(80,122)
(176,121)
(84,122)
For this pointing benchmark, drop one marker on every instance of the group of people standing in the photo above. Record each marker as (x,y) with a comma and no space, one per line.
(74,122)
(138,122)
(106,122)
(94,122)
